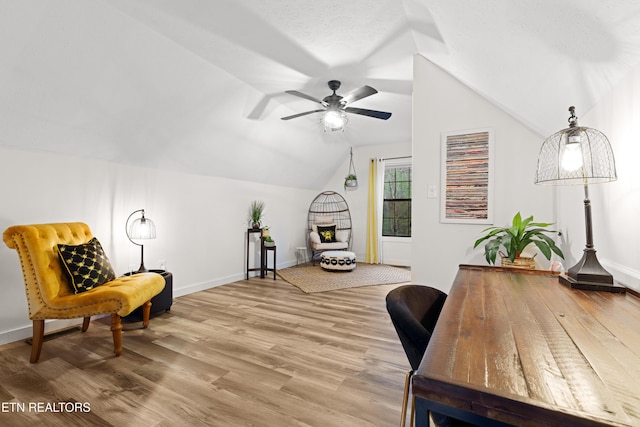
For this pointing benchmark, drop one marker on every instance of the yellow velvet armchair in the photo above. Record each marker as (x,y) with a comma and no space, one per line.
(49,294)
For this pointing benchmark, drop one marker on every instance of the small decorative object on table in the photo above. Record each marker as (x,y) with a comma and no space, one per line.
(515,239)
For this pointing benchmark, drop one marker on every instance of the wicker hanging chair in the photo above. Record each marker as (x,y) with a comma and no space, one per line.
(325,205)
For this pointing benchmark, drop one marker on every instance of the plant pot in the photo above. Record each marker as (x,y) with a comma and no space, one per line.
(521,262)
(351,183)
(269,244)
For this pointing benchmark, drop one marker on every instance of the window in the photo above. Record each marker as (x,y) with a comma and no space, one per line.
(396,205)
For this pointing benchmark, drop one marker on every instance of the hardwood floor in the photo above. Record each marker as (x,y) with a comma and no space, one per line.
(251,353)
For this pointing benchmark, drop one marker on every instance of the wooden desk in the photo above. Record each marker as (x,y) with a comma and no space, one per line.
(518,347)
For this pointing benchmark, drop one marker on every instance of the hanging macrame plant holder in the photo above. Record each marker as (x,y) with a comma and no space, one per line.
(351,180)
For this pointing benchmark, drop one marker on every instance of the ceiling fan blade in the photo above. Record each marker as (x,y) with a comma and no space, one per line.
(371,113)
(305,96)
(356,94)
(301,114)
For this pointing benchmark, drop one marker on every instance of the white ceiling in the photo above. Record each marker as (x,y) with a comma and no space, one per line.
(198,85)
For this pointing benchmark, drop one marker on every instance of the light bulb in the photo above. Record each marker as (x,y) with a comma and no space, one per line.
(572,156)
(334,120)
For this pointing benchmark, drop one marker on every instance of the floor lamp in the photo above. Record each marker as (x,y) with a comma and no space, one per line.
(583,156)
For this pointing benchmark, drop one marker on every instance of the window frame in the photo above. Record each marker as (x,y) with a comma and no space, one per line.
(395,164)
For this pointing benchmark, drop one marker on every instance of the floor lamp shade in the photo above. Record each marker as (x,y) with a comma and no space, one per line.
(580,155)
(141,228)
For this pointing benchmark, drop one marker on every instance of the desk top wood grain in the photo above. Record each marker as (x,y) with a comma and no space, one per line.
(519,347)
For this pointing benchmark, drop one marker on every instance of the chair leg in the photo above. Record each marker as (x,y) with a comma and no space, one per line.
(85,323)
(36,341)
(405,398)
(413,409)
(146,312)
(116,330)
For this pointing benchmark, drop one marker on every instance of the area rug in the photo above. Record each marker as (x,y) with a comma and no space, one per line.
(312,279)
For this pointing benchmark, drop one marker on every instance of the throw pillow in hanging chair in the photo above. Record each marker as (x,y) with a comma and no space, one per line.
(327,233)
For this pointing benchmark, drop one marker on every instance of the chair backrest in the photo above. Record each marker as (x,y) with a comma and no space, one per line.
(37,247)
(414,312)
(330,206)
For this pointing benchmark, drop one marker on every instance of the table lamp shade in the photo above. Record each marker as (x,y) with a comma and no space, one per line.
(142,228)
(576,155)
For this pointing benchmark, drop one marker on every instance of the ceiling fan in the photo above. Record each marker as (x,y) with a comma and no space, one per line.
(336,105)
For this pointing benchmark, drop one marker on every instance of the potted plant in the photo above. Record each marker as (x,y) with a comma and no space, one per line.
(268,242)
(515,239)
(256,210)
(351,180)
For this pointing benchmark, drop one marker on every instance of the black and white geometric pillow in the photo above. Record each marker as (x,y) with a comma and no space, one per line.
(86,265)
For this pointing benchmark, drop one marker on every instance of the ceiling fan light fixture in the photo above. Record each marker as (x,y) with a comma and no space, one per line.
(336,107)
(334,120)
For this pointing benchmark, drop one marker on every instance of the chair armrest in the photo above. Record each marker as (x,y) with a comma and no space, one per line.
(315,237)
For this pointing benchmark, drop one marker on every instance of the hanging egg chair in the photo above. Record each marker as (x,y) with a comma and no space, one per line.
(327,209)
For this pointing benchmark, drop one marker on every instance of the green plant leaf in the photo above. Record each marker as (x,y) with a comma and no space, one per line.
(544,248)
(488,236)
(517,220)
(541,224)
(552,245)
(517,237)
(491,250)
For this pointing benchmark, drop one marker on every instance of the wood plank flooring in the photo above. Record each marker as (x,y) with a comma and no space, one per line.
(256,352)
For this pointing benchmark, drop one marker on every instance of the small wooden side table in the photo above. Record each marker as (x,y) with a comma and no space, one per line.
(265,258)
(250,231)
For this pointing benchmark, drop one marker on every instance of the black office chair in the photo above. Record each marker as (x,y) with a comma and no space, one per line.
(414,311)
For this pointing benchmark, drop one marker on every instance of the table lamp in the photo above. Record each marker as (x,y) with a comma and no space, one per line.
(140,228)
(580,155)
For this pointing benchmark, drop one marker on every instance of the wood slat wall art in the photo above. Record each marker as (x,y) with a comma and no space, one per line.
(467,177)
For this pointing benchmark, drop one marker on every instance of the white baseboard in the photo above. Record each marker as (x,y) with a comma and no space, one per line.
(26,331)
(397,262)
(624,275)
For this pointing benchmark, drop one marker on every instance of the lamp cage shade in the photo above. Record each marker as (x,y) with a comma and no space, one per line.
(576,155)
(142,228)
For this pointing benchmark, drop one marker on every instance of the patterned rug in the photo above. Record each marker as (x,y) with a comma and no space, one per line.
(310,279)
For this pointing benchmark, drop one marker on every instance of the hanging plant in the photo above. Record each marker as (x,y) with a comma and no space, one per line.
(351,180)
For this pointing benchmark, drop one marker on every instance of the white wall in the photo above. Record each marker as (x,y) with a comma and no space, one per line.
(616,205)
(395,251)
(441,104)
(200,221)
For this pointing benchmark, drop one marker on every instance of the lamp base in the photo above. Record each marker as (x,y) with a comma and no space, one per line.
(588,286)
(589,275)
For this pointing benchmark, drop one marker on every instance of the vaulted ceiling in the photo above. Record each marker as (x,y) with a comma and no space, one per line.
(198,85)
